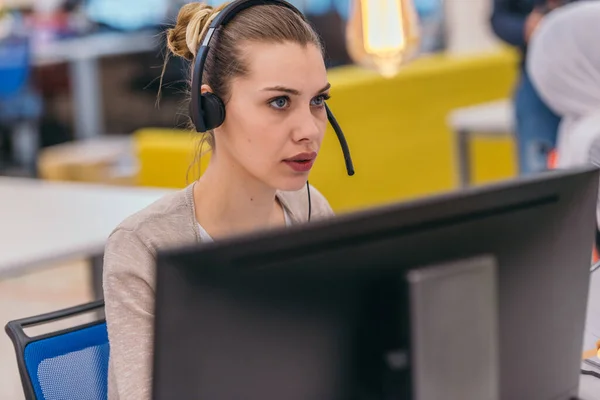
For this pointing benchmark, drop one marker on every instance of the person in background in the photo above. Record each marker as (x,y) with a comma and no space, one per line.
(564,66)
(514,21)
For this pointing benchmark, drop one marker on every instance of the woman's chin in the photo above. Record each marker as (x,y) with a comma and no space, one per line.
(292,185)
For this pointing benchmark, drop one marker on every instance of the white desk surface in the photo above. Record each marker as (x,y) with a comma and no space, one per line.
(494,117)
(589,386)
(95,46)
(43,222)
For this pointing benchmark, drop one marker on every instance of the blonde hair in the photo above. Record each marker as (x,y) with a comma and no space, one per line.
(263,23)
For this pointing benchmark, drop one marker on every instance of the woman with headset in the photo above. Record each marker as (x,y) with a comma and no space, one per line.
(258,99)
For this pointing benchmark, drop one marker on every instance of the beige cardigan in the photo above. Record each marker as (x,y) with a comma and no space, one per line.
(129,279)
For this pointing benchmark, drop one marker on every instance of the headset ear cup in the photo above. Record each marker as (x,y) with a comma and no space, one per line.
(214,110)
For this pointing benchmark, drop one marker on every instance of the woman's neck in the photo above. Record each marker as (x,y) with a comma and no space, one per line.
(227,203)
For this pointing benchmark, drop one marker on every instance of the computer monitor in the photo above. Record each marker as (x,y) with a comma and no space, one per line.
(312,311)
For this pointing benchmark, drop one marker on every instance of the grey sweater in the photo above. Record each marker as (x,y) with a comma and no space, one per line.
(129,279)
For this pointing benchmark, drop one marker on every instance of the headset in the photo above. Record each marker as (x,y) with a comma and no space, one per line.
(207,110)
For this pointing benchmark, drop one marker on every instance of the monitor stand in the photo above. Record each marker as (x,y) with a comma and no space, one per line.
(454,330)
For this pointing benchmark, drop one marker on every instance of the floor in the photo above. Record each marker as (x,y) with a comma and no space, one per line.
(50,289)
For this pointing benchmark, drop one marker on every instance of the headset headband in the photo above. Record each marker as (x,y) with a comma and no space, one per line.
(222,19)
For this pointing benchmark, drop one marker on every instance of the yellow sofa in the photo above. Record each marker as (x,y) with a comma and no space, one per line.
(396,129)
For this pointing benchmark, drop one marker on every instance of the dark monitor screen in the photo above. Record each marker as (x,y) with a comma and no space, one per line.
(310,312)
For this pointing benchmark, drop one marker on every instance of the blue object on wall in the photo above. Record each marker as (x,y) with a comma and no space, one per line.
(426,8)
(128,15)
(317,7)
(342,7)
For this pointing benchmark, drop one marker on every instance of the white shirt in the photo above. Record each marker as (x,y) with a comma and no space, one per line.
(205,237)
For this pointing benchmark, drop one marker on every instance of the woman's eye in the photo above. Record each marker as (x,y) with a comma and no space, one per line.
(279,103)
(319,101)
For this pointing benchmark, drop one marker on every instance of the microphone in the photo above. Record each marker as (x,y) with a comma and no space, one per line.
(345,151)
(342,140)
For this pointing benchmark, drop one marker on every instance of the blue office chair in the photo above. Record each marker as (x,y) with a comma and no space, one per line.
(68,364)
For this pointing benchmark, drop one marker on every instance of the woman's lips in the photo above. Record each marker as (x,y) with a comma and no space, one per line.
(300,166)
(302,162)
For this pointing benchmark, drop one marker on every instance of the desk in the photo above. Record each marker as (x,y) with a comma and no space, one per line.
(45,222)
(495,118)
(82,54)
(589,386)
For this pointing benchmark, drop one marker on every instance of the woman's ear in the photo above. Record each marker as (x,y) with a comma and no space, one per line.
(205,89)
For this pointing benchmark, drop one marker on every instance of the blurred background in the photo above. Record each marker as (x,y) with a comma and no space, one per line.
(78,103)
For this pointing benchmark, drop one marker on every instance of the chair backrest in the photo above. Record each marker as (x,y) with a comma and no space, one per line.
(68,364)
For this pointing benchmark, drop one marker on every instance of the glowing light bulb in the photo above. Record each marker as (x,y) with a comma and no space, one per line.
(383,34)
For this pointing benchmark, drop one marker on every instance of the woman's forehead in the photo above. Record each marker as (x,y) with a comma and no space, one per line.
(285,64)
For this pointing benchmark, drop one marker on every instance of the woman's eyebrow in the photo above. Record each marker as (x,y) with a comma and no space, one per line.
(282,89)
(325,88)
(292,91)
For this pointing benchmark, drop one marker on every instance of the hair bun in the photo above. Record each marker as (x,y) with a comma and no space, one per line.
(192,20)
